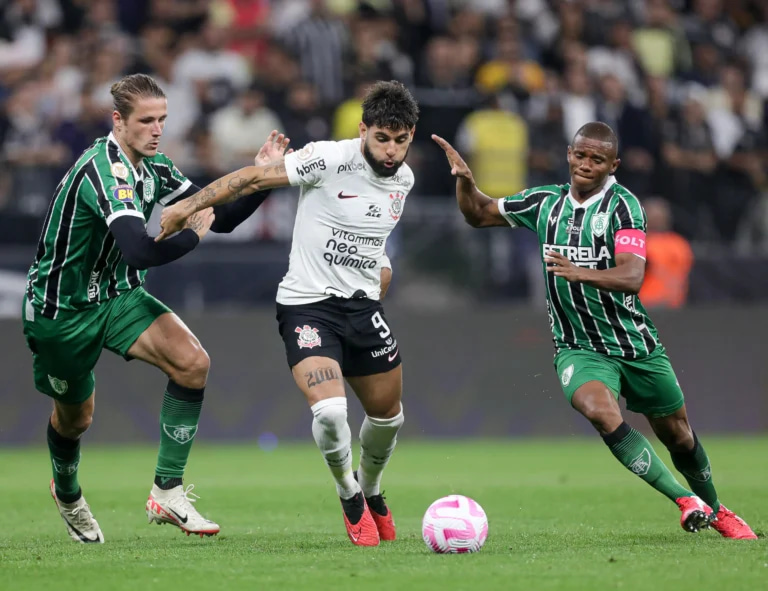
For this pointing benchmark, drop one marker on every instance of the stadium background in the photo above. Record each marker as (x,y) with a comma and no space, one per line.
(683,83)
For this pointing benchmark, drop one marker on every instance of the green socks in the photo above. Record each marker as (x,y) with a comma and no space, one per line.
(635,452)
(694,465)
(178,425)
(65,459)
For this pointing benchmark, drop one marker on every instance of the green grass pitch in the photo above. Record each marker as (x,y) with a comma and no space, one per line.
(563,515)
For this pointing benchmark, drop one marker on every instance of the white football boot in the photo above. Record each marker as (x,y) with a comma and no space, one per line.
(174,506)
(81,525)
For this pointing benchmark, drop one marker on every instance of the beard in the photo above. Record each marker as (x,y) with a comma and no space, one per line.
(378,166)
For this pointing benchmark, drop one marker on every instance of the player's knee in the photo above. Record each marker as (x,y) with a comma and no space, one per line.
(601,416)
(76,426)
(330,412)
(192,368)
(680,440)
(390,411)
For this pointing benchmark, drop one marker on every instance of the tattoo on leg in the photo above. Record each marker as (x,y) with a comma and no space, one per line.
(320,375)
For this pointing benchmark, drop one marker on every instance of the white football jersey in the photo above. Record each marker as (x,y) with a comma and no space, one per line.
(345,215)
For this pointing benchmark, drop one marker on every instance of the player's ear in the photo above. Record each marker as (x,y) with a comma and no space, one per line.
(363,130)
(117,120)
(615,165)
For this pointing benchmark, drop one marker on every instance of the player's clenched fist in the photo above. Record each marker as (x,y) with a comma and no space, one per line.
(201,221)
(561,266)
(458,166)
(172,220)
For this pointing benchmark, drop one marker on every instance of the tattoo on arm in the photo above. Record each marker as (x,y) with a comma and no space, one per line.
(238,186)
(195,222)
(320,375)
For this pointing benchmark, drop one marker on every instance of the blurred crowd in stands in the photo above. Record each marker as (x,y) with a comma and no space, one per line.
(684,83)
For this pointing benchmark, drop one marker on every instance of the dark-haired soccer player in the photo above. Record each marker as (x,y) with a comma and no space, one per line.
(352,195)
(592,236)
(84,294)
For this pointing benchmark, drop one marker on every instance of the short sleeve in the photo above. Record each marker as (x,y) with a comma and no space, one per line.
(522,209)
(628,214)
(313,164)
(173,184)
(113,194)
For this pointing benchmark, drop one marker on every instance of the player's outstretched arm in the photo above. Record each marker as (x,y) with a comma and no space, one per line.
(230,215)
(232,186)
(140,251)
(479,210)
(626,277)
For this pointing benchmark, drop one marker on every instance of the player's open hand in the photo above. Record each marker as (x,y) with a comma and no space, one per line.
(200,221)
(172,220)
(458,166)
(273,149)
(561,266)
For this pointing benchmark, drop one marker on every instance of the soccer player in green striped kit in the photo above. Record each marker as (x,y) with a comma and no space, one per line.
(85,294)
(592,237)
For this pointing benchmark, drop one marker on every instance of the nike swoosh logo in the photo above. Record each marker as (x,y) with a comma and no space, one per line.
(343,196)
(356,535)
(179,517)
(392,357)
(82,536)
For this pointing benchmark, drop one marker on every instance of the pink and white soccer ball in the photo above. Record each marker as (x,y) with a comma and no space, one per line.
(454,524)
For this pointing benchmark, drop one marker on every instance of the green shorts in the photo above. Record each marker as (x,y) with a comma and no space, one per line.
(65,349)
(649,384)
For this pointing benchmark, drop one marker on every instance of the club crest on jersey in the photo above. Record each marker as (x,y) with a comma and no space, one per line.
(123,193)
(396,205)
(149,189)
(308,337)
(119,170)
(59,386)
(599,223)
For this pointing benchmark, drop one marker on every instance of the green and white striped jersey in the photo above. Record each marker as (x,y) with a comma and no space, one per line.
(581,316)
(78,263)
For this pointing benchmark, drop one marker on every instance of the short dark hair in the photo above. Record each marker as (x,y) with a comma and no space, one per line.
(391,105)
(598,131)
(128,89)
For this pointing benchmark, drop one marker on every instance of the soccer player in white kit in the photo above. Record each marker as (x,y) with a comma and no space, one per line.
(352,195)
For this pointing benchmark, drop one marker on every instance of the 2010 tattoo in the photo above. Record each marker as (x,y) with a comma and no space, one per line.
(320,375)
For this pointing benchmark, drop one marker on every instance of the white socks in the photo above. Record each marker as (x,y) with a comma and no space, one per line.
(333,437)
(377,442)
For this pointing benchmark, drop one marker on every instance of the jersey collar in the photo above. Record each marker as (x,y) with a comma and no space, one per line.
(137,175)
(609,182)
